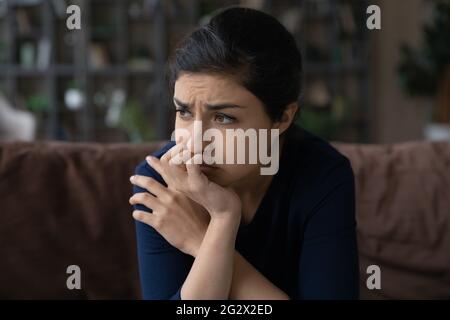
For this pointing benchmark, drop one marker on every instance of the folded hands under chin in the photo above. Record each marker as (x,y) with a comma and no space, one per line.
(180,170)
(184,209)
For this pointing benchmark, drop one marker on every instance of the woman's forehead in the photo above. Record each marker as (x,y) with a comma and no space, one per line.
(211,89)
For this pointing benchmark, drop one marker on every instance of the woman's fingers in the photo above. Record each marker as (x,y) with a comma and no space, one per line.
(156,164)
(146,199)
(181,158)
(170,173)
(149,184)
(195,175)
(172,152)
(146,217)
(192,167)
(179,155)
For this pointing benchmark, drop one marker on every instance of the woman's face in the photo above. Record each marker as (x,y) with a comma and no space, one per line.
(221,103)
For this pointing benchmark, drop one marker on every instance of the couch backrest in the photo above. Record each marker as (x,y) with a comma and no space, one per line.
(67,204)
(403,216)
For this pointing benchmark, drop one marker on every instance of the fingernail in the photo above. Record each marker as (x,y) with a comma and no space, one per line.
(132,178)
(136,215)
(149,158)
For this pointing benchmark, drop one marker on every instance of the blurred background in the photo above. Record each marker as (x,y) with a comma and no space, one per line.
(107,81)
(65,204)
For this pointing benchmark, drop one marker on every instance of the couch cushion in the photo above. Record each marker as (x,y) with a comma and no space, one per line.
(66,204)
(403,216)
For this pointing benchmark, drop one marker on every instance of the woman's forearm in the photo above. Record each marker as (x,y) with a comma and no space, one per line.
(211,273)
(220,272)
(249,284)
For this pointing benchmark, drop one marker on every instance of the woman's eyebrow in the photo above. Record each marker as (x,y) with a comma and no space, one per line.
(180,104)
(220,106)
(213,107)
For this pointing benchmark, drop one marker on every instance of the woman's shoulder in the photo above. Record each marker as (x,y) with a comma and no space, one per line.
(315,157)
(316,171)
(144,169)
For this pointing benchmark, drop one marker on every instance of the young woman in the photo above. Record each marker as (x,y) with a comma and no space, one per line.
(224,231)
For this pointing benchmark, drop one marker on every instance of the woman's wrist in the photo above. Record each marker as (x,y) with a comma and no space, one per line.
(224,223)
(225,226)
(222,232)
(226,219)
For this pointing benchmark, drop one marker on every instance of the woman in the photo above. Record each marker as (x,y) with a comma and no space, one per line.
(225,231)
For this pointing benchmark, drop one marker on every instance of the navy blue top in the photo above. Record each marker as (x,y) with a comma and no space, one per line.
(302,237)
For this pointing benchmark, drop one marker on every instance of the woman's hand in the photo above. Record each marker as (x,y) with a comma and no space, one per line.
(180,210)
(188,179)
(180,220)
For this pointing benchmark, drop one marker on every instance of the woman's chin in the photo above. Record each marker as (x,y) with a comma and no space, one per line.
(216,176)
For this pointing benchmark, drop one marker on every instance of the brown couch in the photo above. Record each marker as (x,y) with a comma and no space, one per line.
(63,204)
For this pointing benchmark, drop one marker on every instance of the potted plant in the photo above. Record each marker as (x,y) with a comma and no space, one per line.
(426,71)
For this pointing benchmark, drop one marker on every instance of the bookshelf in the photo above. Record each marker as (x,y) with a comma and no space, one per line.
(70,78)
(106,82)
(335,45)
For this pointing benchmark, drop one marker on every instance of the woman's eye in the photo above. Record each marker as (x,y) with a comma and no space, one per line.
(224,119)
(184,114)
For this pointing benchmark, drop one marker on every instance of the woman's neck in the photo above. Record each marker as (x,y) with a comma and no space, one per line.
(252,195)
(252,191)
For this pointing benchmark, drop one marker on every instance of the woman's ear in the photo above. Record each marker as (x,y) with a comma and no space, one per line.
(287,117)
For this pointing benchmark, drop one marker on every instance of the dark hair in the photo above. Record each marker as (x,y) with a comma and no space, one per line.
(250,45)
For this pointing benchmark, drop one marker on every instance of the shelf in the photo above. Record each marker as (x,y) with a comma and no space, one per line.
(71,70)
(68,64)
(331,68)
(120,71)
(121,42)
